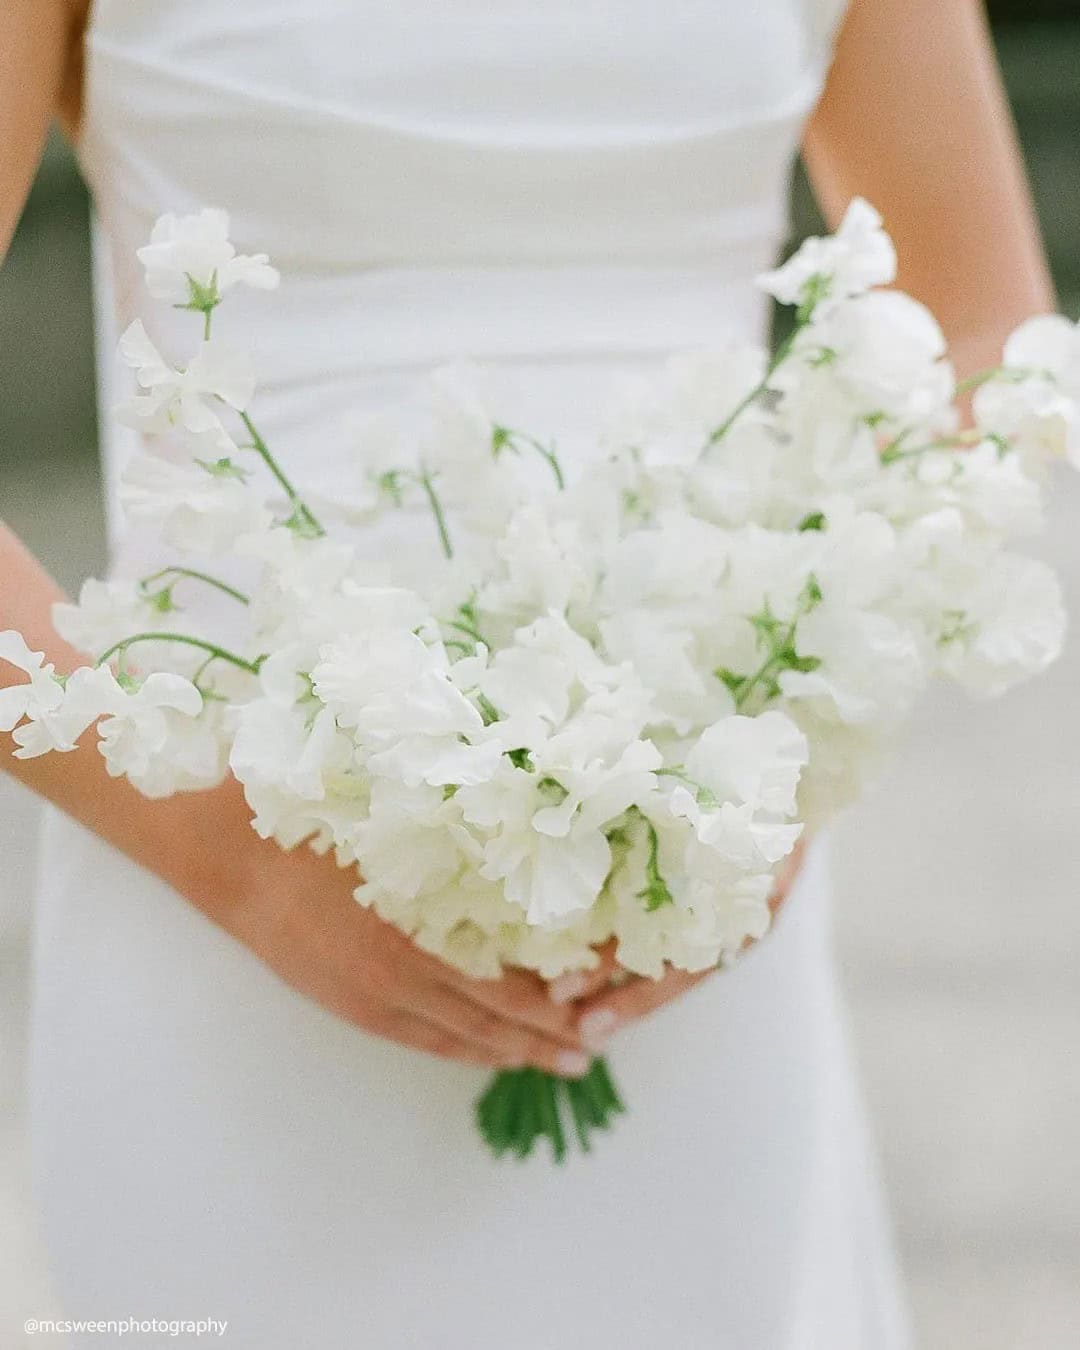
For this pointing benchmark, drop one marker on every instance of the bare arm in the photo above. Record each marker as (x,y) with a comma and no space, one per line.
(35,44)
(914,118)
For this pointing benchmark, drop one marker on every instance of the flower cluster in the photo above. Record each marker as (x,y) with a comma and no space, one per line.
(624,689)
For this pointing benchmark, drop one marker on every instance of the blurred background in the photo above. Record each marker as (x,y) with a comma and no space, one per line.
(958,879)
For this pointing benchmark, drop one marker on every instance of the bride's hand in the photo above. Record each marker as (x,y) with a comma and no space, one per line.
(296,912)
(603,1006)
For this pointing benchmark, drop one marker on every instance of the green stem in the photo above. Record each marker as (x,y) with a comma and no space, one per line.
(222,586)
(468,630)
(781,657)
(702,794)
(216,653)
(1011,374)
(507,436)
(655,892)
(263,450)
(778,358)
(892,452)
(424,478)
(521,1106)
(547,454)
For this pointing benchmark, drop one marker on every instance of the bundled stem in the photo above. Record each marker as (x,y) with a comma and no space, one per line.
(522,1106)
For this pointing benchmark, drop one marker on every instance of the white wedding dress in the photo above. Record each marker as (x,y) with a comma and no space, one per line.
(564,192)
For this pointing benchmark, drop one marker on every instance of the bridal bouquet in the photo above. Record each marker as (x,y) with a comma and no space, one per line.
(617,691)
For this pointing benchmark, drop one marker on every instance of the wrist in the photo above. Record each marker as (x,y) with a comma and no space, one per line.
(204,849)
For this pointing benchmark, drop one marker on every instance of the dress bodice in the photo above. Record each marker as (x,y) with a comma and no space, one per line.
(507,181)
(357,141)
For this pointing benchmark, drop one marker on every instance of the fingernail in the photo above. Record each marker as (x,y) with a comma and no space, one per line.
(571,1064)
(565,988)
(595,1028)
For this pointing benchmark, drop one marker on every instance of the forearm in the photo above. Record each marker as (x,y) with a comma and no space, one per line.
(914,118)
(174,837)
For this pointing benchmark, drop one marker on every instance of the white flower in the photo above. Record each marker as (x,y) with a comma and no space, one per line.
(592,787)
(153,735)
(871,664)
(751,760)
(1036,399)
(196,248)
(549,876)
(395,693)
(43,692)
(459,451)
(310,589)
(56,711)
(411,842)
(1008,624)
(886,351)
(107,611)
(987,485)
(858,256)
(196,509)
(545,566)
(289,754)
(184,400)
(667,418)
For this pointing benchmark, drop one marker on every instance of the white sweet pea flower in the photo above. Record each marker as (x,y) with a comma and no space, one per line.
(886,352)
(311,590)
(287,749)
(172,400)
(391,684)
(716,906)
(534,682)
(1035,400)
(196,509)
(42,693)
(196,249)
(548,876)
(106,612)
(411,842)
(989,486)
(152,734)
(872,664)
(545,566)
(46,713)
(858,256)
(591,790)
(751,760)
(408,715)
(476,474)
(1008,624)
(667,417)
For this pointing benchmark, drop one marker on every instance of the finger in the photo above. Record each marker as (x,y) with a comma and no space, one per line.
(602,1015)
(508,1043)
(520,997)
(577,984)
(416,1032)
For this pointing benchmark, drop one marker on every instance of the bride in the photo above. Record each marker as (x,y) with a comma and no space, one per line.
(250,1095)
